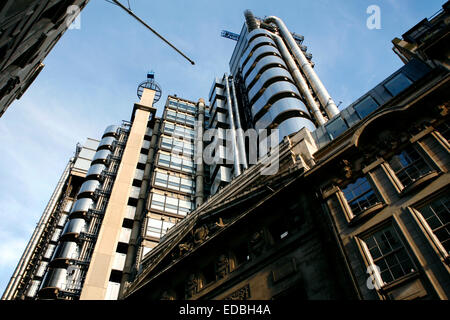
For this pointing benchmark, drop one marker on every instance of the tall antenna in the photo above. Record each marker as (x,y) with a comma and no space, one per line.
(151,29)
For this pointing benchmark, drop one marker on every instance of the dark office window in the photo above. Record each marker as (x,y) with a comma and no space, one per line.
(397,84)
(116,276)
(122,248)
(366,107)
(360,195)
(336,127)
(437,215)
(389,254)
(409,166)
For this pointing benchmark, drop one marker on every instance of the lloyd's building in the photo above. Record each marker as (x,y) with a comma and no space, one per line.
(146,219)
(272,85)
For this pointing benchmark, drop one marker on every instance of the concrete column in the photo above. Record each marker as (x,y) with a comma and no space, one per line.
(132,259)
(99,271)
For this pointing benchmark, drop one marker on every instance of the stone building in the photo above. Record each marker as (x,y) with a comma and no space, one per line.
(28,32)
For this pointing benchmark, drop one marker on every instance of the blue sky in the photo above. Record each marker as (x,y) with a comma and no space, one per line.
(91,76)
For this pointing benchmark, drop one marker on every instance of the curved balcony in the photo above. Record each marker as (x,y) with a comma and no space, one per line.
(262,65)
(281,89)
(74,226)
(55,278)
(288,106)
(88,188)
(82,205)
(266,76)
(101,156)
(252,35)
(66,250)
(95,171)
(111,130)
(257,56)
(106,143)
(251,47)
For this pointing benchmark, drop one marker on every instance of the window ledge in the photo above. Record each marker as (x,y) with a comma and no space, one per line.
(400,281)
(426,178)
(369,212)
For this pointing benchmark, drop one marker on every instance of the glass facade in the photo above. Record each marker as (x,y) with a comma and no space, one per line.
(178,130)
(170,204)
(176,162)
(182,106)
(180,117)
(173,182)
(177,146)
(166,180)
(157,228)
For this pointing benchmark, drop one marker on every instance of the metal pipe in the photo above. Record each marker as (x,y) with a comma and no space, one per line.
(152,30)
(200,173)
(237,167)
(300,81)
(250,20)
(240,137)
(10,290)
(317,85)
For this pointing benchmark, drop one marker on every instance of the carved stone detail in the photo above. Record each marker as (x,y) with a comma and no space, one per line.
(346,169)
(200,234)
(240,294)
(222,266)
(193,285)
(256,243)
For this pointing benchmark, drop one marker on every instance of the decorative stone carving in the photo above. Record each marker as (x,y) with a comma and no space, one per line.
(214,226)
(222,266)
(256,243)
(194,284)
(346,169)
(200,234)
(220,223)
(240,294)
(191,286)
(184,247)
(181,249)
(443,109)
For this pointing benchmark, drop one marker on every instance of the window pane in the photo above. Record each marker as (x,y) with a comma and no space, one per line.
(366,107)
(399,83)
(336,127)
(360,195)
(389,254)
(154,227)
(161,179)
(409,166)
(437,215)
